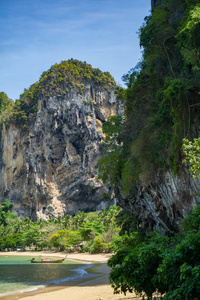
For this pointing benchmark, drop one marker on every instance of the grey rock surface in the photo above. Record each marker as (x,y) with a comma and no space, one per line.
(51,169)
(164,202)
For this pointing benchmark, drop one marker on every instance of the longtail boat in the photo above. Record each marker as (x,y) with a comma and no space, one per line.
(48,261)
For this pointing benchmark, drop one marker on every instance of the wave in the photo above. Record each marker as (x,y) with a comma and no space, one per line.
(79,273)
(21,291)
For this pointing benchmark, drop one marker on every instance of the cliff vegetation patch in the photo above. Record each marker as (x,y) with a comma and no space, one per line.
(161,99)
(60,80)
(161,113)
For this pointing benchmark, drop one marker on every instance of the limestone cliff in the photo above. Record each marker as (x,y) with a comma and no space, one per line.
(163,202)
(156,121)
(51,168)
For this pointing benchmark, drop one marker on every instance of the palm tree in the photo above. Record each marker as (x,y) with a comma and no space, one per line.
(78,219)
(67,221)
(27,223)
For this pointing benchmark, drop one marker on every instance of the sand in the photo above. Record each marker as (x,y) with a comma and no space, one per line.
(94,286)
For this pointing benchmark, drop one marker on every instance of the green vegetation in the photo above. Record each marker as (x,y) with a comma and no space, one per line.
(73,74)
(161,100)
(154,263)
(161,112)
(94,232)
(6,107)
(192,156)
(60,80)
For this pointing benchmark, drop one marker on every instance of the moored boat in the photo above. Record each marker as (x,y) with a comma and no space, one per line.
(48,261)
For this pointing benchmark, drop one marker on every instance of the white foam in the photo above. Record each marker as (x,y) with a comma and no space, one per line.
(21,291)
(31,289)
(81,272)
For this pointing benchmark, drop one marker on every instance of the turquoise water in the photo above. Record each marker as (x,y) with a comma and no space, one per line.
(18,274)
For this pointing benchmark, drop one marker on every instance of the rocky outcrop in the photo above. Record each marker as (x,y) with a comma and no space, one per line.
(51,168)
(164,202)
(161,199)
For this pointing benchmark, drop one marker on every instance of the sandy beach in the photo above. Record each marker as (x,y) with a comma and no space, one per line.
(94,286)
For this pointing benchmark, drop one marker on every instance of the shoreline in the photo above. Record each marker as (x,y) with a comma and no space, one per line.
(84,257)
(93,286)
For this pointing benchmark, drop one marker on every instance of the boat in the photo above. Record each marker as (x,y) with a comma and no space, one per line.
(48,261)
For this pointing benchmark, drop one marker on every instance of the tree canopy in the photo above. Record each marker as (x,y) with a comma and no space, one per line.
(96,231)
(168,266)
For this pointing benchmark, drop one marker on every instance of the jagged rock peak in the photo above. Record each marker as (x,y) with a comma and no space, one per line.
(64,79)
(73,74)
(49,166)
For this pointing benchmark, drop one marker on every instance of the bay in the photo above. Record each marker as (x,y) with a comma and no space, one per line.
(18,274)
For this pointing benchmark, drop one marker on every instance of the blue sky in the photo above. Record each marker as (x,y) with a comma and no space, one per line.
(34,35)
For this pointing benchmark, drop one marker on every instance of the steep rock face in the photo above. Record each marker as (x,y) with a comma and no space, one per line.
(51,169)
(164,202)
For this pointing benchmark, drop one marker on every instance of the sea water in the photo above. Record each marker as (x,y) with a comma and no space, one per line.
(18,274)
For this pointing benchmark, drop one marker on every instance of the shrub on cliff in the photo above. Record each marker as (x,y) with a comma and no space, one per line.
(73,74)
(60,80)
(161,100)
(6,108)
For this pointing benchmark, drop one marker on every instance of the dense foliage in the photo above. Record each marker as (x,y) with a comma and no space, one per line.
(191,151)
(161,111)
(169,266)
(60,80)
(92,232)
(161,99)
(6,107)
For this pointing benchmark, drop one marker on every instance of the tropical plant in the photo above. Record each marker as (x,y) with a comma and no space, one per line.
(191,151)
(156,263)
(97,229)
(161,101)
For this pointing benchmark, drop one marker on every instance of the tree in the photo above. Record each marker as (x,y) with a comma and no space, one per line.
(109,165)
(88,230)
(67,220)
(66,238)
(98,245)
(191,151)
(27,223)
(5,212)
(31,236)
(78,219)
(168,265)
(161,102)
(189,36)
